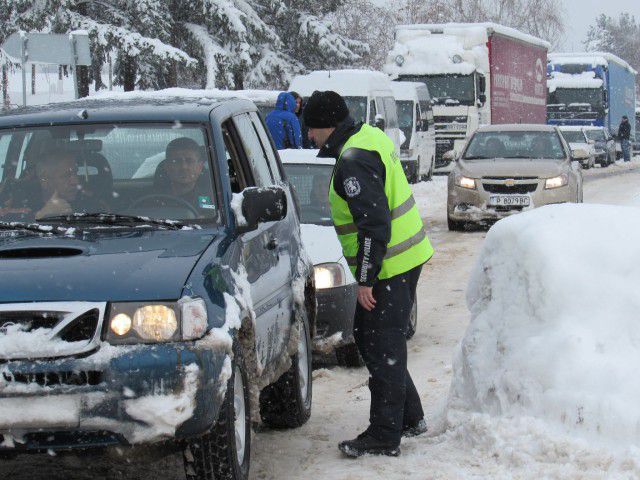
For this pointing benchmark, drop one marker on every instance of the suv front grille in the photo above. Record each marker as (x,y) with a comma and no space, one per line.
(50,379)
(49,329)
(507,189)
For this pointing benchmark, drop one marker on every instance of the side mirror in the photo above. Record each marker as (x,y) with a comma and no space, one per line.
(579,154)
(380,122)
(259,205)
(450,156)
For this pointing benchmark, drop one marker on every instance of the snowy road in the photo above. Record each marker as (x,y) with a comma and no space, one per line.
(341,396)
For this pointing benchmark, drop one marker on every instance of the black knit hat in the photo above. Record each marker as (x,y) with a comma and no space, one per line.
(325,110)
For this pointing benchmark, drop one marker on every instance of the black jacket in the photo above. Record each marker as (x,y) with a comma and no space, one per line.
(359,179)
(624,131)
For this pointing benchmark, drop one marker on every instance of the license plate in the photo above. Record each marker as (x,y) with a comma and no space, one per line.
(54,411)
(509,200)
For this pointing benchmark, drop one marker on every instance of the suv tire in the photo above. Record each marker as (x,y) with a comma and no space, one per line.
(286,403)
(225,451)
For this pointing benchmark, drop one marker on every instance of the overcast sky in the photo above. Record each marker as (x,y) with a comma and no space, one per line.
(580,14)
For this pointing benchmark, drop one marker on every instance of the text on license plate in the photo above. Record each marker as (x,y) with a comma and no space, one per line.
(509,200)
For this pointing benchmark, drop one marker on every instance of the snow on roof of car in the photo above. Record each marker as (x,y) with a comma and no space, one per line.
(571,128)
(304,156)
(168,93)
(407,90)
(588,58)
(567,80)
(479,31)
(345,82)
(259,96)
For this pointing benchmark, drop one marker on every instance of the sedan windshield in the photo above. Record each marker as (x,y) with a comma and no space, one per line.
(573,136)
(524,145)
(311,184)
(78,173)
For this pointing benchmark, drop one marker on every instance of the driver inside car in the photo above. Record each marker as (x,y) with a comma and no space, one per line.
(182,174)
(54,190)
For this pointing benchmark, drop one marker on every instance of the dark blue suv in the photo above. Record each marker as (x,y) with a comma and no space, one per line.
(153,287)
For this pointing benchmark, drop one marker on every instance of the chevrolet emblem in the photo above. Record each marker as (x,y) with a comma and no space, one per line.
(510,183)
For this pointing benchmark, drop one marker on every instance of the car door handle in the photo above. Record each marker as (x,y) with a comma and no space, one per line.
(272,244)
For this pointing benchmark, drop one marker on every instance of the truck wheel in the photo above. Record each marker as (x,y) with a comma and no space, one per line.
(225,451)
(413,321)
(287,402)
(349,356)
(455,225)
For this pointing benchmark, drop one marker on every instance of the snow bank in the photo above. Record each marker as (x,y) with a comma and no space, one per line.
(554,339)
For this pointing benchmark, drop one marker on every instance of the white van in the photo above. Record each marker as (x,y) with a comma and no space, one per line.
(367,93)
(415,117)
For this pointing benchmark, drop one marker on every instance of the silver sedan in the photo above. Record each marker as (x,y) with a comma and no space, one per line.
(505,169)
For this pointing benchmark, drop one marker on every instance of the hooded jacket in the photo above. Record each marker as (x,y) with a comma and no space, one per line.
(284,124)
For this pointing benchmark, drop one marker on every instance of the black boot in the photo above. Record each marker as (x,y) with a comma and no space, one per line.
(415,430)
(365,444)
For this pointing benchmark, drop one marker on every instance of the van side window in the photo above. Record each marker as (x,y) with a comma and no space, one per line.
(372,112)
(391,113)
(427,111)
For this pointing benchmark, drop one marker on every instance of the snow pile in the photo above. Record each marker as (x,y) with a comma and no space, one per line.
(554,340)
(236,206)
(568,80)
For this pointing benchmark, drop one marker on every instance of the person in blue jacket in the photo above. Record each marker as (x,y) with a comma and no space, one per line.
(284,124)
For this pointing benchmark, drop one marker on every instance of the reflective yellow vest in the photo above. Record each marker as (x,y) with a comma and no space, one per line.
(409,245)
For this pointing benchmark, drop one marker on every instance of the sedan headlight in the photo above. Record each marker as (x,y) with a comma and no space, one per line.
(157,322)
(465,182)
(329,275)
(556,182)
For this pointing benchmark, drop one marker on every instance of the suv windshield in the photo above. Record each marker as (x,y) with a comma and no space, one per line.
(524,145)
(458,89)
(596,135)
(311,184)
(159,171)
(573,136)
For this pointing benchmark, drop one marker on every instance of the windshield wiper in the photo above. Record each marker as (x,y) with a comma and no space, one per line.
(113,219)
(27,227)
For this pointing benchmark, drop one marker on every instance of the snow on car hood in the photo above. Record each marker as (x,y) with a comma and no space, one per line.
(124,265)
(321,243)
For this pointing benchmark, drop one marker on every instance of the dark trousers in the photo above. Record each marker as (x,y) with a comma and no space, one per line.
(381,339)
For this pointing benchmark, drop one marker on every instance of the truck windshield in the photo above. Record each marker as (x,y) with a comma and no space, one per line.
(158,171)
(576,99)
(447,89)
(357,108)
(311,184)
(515,145)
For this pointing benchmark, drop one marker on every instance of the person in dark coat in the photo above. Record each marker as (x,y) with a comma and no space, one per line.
(624,134)
(284,124)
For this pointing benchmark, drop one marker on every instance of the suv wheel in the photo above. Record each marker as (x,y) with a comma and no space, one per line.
(287,402)
(413,321)
(225,451)
(349,356)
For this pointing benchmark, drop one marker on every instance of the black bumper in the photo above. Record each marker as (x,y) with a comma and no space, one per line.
(336,308)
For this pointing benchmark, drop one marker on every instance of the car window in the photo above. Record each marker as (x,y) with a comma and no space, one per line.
(573,136)
(237,177)
(266,145)
(4,151)
(357,108)
(253,150)
(159,171)
(311,184)
(515,145)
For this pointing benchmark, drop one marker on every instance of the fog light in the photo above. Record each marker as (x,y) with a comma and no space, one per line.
(121,324)
(155,322)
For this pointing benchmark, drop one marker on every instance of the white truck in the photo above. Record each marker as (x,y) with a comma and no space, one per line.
(477,74)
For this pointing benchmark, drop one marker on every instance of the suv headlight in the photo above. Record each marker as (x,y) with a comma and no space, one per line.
(556,182)
(465,182)
(329,275)
(156,322)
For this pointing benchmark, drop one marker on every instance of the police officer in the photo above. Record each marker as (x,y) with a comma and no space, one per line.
(385,244)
